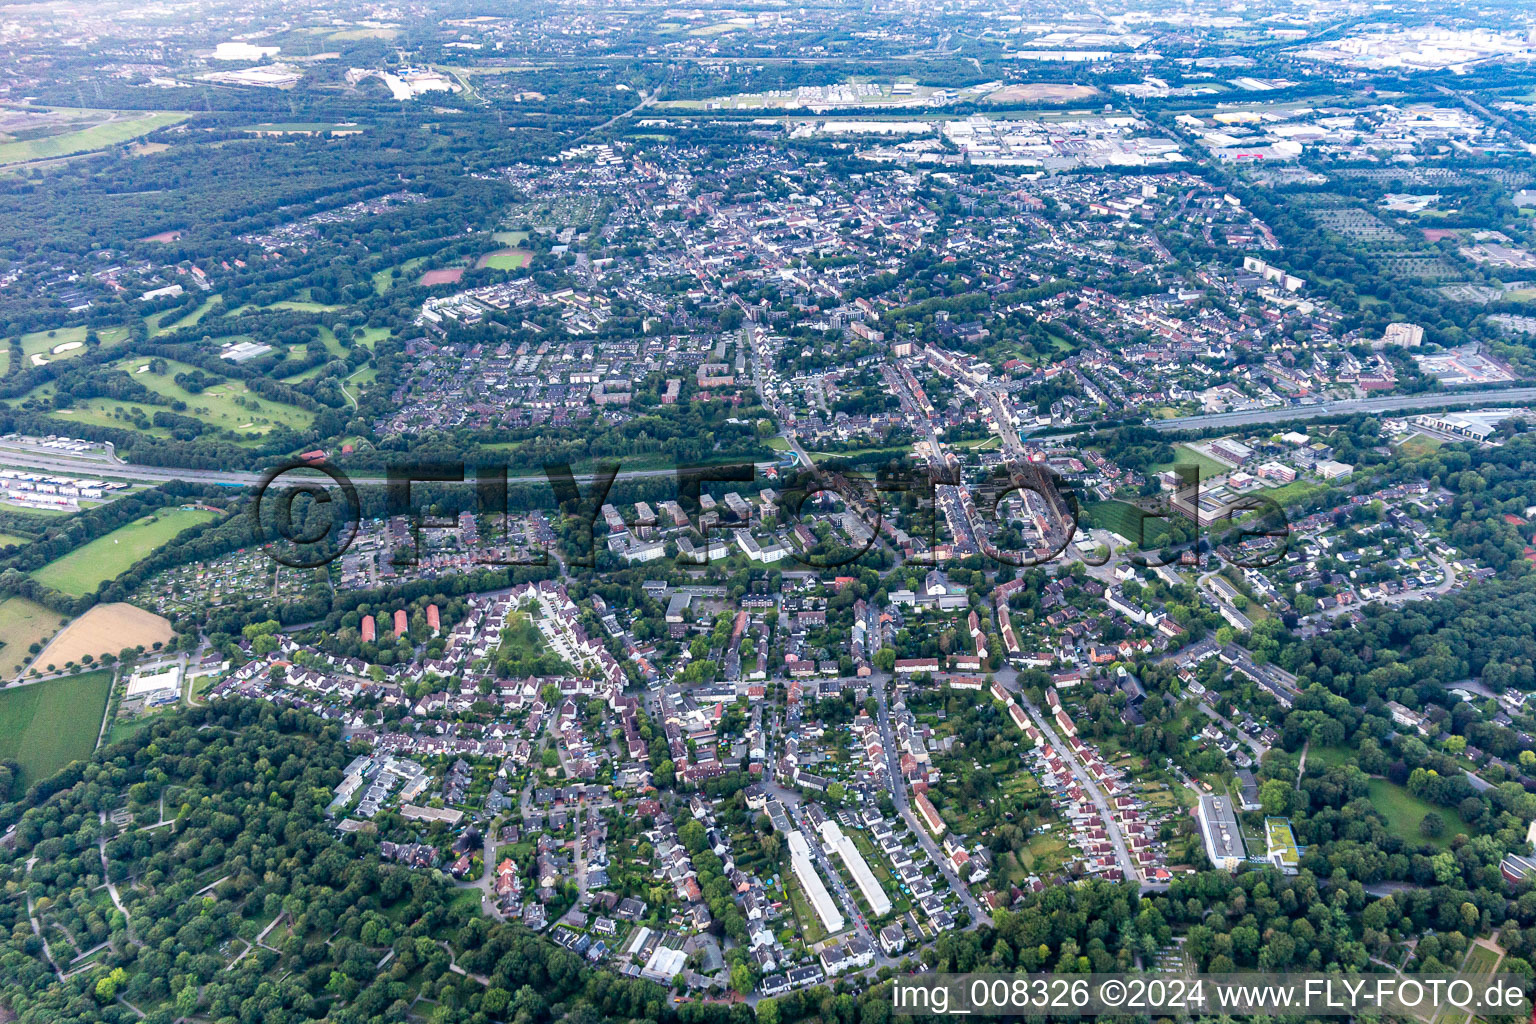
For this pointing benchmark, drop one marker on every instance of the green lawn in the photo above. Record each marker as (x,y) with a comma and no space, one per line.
(811,928)
(7,539)
(1297,492)
(97,136)
(1184,455)
(122,728)
(22,624)
(83,570)
(43,343)
(1404,811)
(372,336)
(505,259)
(1419,444)
(188,320)
(302,306)
(45,726)
(302,127)
(1121,518)
(227,406)
(384,279)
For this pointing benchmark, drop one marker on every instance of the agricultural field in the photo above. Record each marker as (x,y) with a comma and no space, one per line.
(22,624)
(84,131)
(106,629)
(83,570)
(44,726)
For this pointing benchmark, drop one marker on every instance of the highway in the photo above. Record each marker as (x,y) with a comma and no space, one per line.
(1348,407)
(14,455)
(17,456)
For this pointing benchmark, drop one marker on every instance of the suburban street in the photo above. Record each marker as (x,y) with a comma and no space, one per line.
(879,681)
(1010,682)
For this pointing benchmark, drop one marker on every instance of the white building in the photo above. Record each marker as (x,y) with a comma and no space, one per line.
(805,873)
(874,895)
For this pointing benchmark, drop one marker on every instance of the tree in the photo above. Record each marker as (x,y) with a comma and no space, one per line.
(1432,826)
(1275,796)
(107,988)
(692,836)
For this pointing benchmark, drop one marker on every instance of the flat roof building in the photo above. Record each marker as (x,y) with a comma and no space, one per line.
(875,896)
(805,873)
(1219,828)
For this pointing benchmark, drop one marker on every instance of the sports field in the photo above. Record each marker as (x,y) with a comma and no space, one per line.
(44,726)
(22,624)
(505,259)
(1184,455)
(83,570)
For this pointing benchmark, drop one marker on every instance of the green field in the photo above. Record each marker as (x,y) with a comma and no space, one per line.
(513,238)
(1480,961)
(811,928)
(7,539)
(505,259)
(1420,444)
(1184,455)
(1404,811)
(1120,518)
(98,136)
(227,406)
(1297,492)
(44,726)
(384,280)
(22,624)
(83,570)
(188,320)
(304,306)
(42,343)
(123,728)
(301,127)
